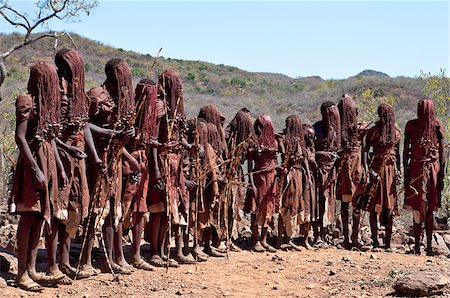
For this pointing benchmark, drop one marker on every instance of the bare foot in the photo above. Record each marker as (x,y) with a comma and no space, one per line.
(257,247)
(294,246)
(24,282)
(182,259)
(306,244)
(87,271)
(59,277)
(212,252)
(267,247)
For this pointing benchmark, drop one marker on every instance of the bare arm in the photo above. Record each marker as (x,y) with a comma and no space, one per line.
(441,163)
(25,152)
(154,156)
(90,144)
(133,162)
(100,131)
(365,151)
(406,154)
(61,171)
(250,174)
(397,156)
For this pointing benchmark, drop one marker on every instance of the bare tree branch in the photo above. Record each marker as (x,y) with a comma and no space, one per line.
(60,9)
(6,17)
(29,41)
(3,74)
(19,14)
(48,17)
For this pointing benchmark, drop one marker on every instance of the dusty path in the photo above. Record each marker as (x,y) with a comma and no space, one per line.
(319,273)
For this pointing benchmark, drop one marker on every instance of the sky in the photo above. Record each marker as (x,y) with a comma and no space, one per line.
(330,39)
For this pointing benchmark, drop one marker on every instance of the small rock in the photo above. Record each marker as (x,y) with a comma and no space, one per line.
(446,238)
(178,293)
(421,284)
(189,272)
(310,286)
(8,262)
(3,283)
(332,272)
(373,257)
(275,288)
(277,258)
(439,245)
(336,233)
(328,263)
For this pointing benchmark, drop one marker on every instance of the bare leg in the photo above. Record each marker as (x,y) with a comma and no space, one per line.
(179,256)
(344,218)
(155,224)
(374,229)
(417,234)
(86,268)
(280,232)
(388,232)
(108,234)
(306,227)
(51,239)
(209,250)
(197,253)
(185,232)
(178,241)
(315,226)
(137,234)
(86,259)
(51,242)
(355,229)
(429,231)
(35,231)
(156,238)
(254,228)
(118,247)
(64,245)
(164,235)
(28,231)
(23,244)
(264,240)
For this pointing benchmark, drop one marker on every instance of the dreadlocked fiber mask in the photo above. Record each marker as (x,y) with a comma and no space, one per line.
(426,120)
(214,137)
(331,117)
(119,85)
(309,134)
(294,132)
(171,91)
(265,131)
(387,122)
(43,85)
(146,96)
(71,68)
(324,107)
(241,125)
(349,122)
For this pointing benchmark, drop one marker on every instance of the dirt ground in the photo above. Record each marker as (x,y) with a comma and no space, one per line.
(313,273)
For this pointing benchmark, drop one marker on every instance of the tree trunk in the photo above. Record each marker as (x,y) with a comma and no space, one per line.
(2,76)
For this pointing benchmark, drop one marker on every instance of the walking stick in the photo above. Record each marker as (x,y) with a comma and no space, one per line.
(171,125)
(198,189)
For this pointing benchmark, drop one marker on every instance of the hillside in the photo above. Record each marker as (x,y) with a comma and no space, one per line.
(227,86)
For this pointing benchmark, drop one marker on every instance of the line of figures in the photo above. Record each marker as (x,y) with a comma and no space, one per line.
(118,158)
